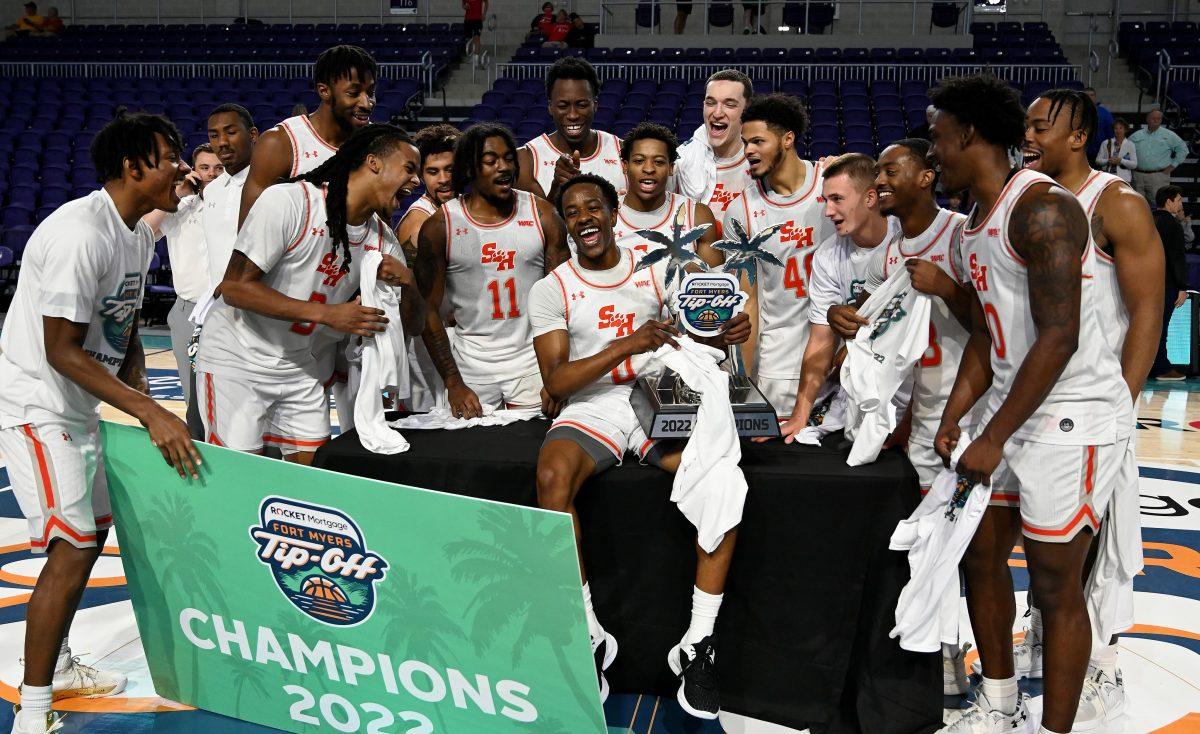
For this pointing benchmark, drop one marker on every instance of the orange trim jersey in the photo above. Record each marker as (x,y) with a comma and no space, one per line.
(733,177)
(489,271)
(604,162)
(309,149)
(662,219)
(1089,404)
(1110,307)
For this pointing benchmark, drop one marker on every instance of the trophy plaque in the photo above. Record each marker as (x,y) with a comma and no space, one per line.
(666,407)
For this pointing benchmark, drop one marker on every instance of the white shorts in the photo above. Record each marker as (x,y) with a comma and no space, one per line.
(57,474)
(780,393)
(605,427)
(243,415)
(1060,489)
(521,392)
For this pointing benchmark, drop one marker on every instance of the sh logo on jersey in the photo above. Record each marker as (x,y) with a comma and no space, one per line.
(117,311)
(502,259)
(319,560)
(706,301)
(802,236)
(610,319)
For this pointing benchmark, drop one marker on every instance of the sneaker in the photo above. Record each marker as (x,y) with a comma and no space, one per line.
(1027,658)
(604,650)
(1172,375)
(954,673)
(84,680)
(980,718)
(1101,702)
(696,664)
(51,722)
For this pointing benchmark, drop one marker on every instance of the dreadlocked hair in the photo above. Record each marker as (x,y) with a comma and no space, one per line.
(1080,106)
(377,140)
(468,152)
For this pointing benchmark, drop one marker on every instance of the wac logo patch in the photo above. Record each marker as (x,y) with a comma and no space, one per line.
(706,301)
(319,560)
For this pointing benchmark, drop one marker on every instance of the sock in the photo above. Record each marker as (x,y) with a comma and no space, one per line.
(64,657)
(1044,730)
(35,700)
(1106,660)
(594,629)
(1035,625)
(1001,693)
(704,615)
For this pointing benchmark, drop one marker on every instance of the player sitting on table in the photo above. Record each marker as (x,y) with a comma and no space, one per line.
(595,322)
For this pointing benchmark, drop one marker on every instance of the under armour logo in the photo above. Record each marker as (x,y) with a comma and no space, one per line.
(993,232)
(760,212)
(578,295)
(318,231)
(460,230)
(66,436)
(311,154)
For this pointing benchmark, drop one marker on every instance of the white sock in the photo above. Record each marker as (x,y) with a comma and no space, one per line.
(64,657)
(704,615)
(595,631)
(1044,730)
(1106,660)
(1001,693)
(1035,625)
(950,651)
(35,700)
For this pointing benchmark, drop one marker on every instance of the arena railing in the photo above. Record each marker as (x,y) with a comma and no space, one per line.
(1169,74)
(778,73)
(423,70)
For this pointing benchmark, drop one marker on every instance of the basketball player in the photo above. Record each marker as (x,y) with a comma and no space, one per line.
(574,147)
(1058,415)
(839,270)
(648,155)
(712,165)
(483,251)
(436,145)
(69,342)
(785,191)
(345,78)
(1128,276)
(290,278)
(590,348)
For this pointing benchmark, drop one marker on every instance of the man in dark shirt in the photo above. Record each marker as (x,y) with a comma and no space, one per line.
(1169,203)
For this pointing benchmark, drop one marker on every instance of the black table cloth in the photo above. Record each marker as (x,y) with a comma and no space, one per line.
(802,633)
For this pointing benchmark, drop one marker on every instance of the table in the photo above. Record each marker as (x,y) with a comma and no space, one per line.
(802,633)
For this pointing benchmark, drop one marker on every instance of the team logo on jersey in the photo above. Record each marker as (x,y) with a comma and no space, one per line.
(893,313)
(330,268)
(978,273)
(721,197)
(319,560)
(610,318)
(117,311)
(802,236)
(1066,425)
(502,259)
(706,301)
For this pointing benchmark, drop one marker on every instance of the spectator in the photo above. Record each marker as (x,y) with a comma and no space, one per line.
(683,8)
(1104,125)
(750,21)
(473,14)
(1159,150)
(28,23)
(299,109)
(53,25)
(1168,210)
(1118,154)
(922,131)
(580,36)
(543,21)
(557,37)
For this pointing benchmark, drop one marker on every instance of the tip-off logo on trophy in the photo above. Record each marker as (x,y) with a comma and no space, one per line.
(704,303)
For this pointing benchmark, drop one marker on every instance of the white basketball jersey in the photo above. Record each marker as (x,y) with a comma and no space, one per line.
(605,162)
(422,204)
(662,219)
(1111,313)
(938,367)
(783,291)
(733,177)
(598,314)
(309,149)
(489,270)
(1090,403)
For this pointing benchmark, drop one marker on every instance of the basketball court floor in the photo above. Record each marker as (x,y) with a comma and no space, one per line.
(1160,657)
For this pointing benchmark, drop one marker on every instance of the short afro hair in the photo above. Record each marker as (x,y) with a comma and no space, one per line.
(572,67)
(242,113)
(132,137)
(611,197)
(468,152)
(435,139)
(918,149)
(1084,115)
(782,112)
(337,62)
(988,104)
(650,131)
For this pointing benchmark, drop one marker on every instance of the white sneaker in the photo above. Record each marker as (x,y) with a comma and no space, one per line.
(1027,657)
(1101,702)
(980,718)
(28,724)
(84,680)
(954,673)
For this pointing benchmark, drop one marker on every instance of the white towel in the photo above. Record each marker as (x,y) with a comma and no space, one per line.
(696,169)
(440,418)
(1119,558)
(880,360)
(384,363)
(709,487)
(832,400)
(936,535)
(203,306)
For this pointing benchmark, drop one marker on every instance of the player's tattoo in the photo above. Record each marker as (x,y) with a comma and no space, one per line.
(409,248)
(557,252)
(430,263)
(438,345)
(237,265)
(1097,230)
(1049,230)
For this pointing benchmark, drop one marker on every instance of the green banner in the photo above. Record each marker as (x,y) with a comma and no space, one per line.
(313,601)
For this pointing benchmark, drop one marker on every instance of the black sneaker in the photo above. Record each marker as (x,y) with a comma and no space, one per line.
(604,650)
(696,664)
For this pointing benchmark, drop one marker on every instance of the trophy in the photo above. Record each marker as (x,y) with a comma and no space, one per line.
(665,406)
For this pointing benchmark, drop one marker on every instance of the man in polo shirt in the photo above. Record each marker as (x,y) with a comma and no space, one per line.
(1159,150)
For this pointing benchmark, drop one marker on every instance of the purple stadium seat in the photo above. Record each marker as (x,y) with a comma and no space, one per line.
(16,237)
(795,87)
(856,116)
(16,215)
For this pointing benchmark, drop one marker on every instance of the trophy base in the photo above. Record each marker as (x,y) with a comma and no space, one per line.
(661,414)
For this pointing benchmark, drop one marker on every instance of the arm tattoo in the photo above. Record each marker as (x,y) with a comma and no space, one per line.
(557,251)
(1051,232)
(438,345)
(237,265)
